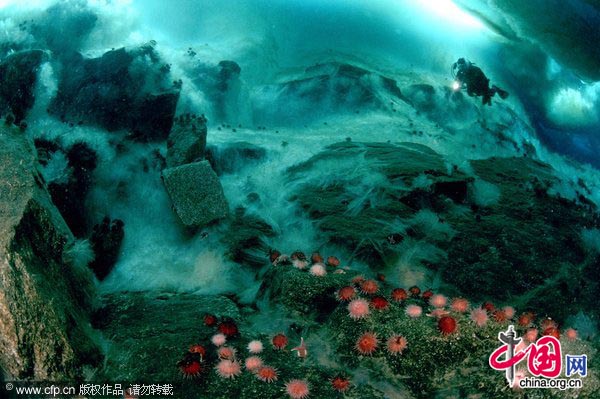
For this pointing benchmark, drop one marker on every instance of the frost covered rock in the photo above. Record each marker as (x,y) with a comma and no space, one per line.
(122,89)
(371,187)
(187,140)
(196,194)
(18,73)
(43,301)
(382,201)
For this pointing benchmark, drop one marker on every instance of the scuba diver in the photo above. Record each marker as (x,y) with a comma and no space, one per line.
(472,78)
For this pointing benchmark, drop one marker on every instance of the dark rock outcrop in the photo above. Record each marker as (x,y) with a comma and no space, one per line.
(245,238)
(106,241)
(222,86)
(187,140)
(18,74)
(231,157)
(44,301)
(196,194)
(69,195)
(122,89)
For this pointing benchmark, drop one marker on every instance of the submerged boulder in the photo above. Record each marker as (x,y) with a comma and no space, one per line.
(165,325)
(196,194)
(187,140)
(123,89)
(18,74)
(44,301)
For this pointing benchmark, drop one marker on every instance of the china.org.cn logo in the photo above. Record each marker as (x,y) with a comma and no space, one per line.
(543,358)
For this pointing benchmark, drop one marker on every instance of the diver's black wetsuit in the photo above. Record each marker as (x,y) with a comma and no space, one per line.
(477,84)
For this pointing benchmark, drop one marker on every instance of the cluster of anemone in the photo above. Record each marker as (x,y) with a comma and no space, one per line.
(228,364)
(316,265)
(363,297)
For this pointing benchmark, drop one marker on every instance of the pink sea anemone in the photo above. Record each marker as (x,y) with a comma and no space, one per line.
(396,344)
(318,269)
(297,389)
(438,301)
(219,339)
(253,363)
(414,311)
(479,316)
(228,368)
(460,305)
(358,309)
(531,335)
(255,346)
(571,334)
(226,352)
(509,311)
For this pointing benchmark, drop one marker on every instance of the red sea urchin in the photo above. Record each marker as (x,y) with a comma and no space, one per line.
(191,365)
(447,325)
(316,258)
(226,352)
(333,261)
(552,331)
(267,374)
(199,349)
(369,287)
(340,383)
(379,303)
(228,328)
(210,320)
(399,294)
(414,291)
(346,293)
(526,319)
(427,295)
(279,341)
(367,343)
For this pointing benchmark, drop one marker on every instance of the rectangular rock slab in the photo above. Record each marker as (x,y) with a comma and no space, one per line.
(196,194)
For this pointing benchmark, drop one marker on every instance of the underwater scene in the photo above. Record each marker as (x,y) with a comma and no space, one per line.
(305,199)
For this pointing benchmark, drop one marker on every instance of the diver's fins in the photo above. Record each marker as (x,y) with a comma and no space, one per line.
(502,93)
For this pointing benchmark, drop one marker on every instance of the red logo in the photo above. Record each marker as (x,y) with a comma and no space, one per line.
(544,357)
